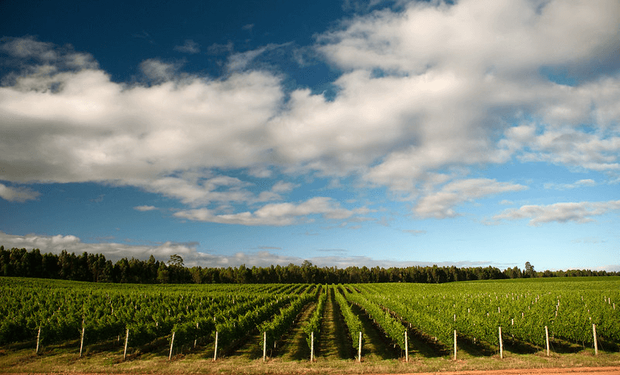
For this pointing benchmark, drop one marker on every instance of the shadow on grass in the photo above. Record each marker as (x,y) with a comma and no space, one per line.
(294,345)
(475,348)
(375,341)
(424,345)
(334,341)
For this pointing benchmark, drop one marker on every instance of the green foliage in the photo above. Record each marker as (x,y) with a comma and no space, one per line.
(314,323)
(568,307)
(382,317)
(94,267)
(352,321)
(282,322)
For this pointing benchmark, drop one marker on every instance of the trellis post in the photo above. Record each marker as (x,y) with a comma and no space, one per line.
(126,341)
(455,344)
(359,351)
(406,347)
(215,351)
(171,346)
(595,341)
(82,340)
(501,344)
(38,340)
(547,339)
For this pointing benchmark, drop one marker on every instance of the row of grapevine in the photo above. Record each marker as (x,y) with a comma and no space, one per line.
(426,323)
(352,321)
(280,324)
(390,325)
(523,314)
(313,326)
(523,309)
(61,313)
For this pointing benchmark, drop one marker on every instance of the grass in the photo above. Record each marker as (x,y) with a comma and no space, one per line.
(65,359)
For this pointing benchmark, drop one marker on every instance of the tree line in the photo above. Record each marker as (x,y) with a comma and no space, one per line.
(95,268)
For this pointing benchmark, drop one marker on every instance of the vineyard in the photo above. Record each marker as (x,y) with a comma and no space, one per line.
(489,319)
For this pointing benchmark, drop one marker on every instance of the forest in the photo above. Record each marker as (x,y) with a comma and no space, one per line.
(96,268)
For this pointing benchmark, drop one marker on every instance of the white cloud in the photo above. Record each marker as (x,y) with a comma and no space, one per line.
(576,184)
(579,212)
(425,95)
(80,126)
(192,257)
(240,61)
(441,204)
(17,194)
(566,146)
(157,70)
(188,47)
(283,187)
(475,35)
(112,251)
(145,208)
(277,214)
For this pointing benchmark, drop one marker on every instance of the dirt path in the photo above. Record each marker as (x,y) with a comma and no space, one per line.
(554,371)
(546,371)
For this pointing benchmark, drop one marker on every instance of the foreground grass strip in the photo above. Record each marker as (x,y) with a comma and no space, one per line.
(60,360)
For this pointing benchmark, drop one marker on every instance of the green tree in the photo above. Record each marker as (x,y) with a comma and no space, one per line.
(529,270)
(176,260)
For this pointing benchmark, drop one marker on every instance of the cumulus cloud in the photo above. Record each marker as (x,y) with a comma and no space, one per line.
(80,126)
(17,194)
(425,90)
(579,212)
(277,214)
(158,71)
(441,204)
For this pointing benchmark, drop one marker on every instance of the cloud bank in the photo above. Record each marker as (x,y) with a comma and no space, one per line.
(193,258)
(426,94)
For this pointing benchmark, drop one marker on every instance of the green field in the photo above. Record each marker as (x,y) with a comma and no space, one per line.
(266,328)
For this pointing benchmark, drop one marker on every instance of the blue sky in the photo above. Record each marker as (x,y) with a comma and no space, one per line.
(386,133)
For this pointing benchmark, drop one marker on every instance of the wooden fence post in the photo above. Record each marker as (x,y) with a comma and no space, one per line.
(38,340)
(215,351)
(264,346)
(501,344)
(126,341)
(171,346)
(359,352)
(82,340)
(595,341)
(312,347)
(406,347)
(547,339)
(455,344)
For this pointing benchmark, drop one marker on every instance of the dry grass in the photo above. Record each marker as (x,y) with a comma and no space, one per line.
(66,360)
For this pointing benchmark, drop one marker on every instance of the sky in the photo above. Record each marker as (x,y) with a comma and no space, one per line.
(343,132)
